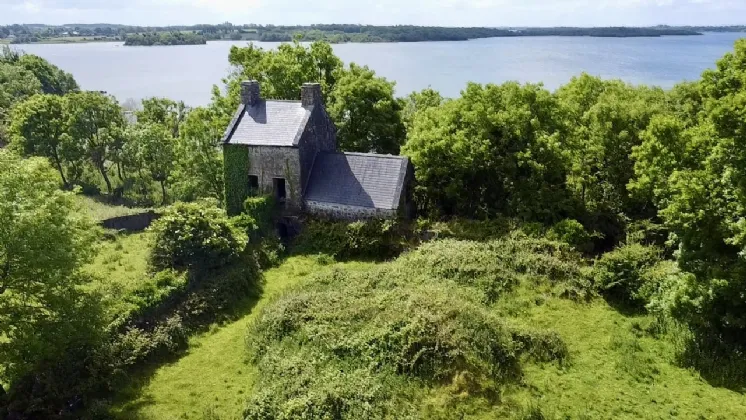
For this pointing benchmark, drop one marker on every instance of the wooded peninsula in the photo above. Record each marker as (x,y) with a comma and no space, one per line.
(332,33)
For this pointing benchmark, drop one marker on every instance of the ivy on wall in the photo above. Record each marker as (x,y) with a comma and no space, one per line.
(236,177)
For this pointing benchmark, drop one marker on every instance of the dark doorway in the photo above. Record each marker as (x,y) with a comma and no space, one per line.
(279,187)
(253,185)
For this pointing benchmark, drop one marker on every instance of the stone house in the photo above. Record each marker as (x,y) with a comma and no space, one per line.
(289,149)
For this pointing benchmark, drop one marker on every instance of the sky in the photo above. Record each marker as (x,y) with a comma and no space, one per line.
(379,12)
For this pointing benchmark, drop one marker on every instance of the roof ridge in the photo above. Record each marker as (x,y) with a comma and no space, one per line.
(378,155)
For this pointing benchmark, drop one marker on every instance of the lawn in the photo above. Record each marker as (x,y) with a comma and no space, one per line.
(120,266)
(616,370)
(100,210)
(213,378)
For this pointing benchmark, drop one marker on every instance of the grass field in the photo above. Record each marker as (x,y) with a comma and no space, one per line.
(213,378)
(68,40)
(617,369)
(99,210)
(120,266)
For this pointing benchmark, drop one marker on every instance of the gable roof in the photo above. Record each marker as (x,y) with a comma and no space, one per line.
(358,179)
(268,123)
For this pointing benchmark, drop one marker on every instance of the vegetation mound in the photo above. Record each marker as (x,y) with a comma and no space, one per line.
(374,343)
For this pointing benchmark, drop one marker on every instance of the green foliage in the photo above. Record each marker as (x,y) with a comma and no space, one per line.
(198,172)
(620,274)
(494,151)
(373,239)
(54,81)
(196,236)
(96,122)
(417,102)
(367,116)
(150,151)
(164,38)
(236,175)
(262,210)
(367,342)
(44,241)
(573,233)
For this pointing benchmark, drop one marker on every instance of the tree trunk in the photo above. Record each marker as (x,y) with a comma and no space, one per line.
(59,168)
(106,178)
(163,190)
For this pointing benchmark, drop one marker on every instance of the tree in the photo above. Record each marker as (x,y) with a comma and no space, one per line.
(198,172)
(44,241)
(163,111)
(281,72)
(16,84)
(53,80)
(419,101)
(495,150)
(38,127)
(154,151)
(367,116)
(96,121)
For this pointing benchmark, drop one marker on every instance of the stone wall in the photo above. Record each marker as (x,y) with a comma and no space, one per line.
(320,136)
(342,212)
(269,162)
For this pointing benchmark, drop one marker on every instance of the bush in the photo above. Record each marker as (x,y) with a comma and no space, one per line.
(375,239)
(363,344)
(196,235)
(572,232)
(620,274)
(261,209)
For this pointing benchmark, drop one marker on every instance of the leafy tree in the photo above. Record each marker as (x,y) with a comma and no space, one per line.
(495,150)
(367,116)
(96,121)
(44,241)
(53,80)
(38,127)
(281,72)
(154,151)
(604,121)
(198,172)
(163,111)
(16,85)
(419,101)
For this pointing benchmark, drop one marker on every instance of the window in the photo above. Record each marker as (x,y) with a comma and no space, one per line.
(253,185)
(279,187)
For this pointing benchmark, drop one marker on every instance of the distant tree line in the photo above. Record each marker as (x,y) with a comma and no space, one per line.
(337,33)
(164,38)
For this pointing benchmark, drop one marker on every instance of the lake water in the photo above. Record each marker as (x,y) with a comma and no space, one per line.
(188,72)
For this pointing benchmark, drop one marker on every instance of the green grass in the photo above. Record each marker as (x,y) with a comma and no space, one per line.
(617,368)
(120,266)
(100,210)
(214,377)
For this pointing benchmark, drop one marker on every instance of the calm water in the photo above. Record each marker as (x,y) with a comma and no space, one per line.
(188,72)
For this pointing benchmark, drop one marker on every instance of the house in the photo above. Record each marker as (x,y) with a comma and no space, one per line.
(289,149)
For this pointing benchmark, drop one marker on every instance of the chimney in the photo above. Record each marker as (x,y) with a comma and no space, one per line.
(250,93)
(310,94)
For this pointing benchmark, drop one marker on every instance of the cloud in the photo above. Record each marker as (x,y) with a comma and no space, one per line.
(420,12)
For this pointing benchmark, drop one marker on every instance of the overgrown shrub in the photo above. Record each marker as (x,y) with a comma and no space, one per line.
(374,238)
(572,232)
(196,235)
(261,209)
(363,344)
(620,274)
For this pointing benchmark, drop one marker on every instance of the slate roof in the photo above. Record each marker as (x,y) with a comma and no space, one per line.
(268,123)
(358,179)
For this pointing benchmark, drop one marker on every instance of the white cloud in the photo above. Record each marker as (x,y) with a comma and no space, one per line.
(420,12)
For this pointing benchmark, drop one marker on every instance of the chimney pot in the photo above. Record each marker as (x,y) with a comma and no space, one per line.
(250,92)
(310,94)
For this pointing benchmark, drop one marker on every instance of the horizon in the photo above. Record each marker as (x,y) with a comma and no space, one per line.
(441,13)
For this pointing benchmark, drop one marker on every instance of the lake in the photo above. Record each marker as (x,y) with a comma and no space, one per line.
(188,72)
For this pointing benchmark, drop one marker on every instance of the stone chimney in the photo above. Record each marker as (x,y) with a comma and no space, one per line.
(310,94)
(250,93)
